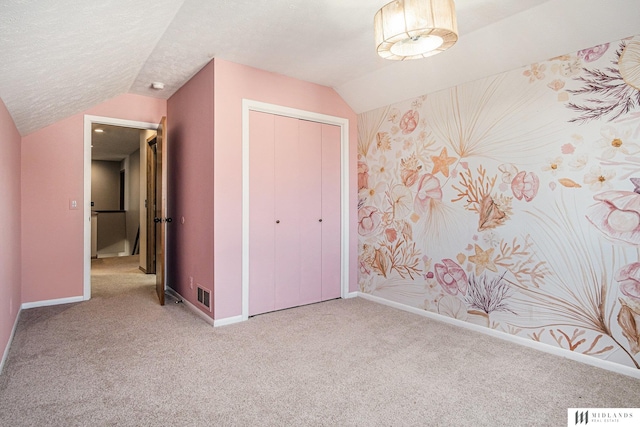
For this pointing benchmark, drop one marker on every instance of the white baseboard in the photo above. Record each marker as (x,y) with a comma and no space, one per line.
(228,321)
(47,303)
(237,319)
(5,354)
(191,307)
(578,357)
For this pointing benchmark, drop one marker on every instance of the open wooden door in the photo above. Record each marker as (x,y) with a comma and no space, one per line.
(150,266)
(161,219)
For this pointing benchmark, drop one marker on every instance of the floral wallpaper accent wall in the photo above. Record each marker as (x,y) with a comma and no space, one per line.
(513,202)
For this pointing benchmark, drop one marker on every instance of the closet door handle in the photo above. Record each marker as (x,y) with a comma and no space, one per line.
(277,221)
(320,220)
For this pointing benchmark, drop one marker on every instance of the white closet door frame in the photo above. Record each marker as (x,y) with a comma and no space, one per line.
(250,105)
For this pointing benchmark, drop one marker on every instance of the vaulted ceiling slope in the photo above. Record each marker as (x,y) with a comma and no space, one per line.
(60,58)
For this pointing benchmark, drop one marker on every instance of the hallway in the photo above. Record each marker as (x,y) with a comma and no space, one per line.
(113,276)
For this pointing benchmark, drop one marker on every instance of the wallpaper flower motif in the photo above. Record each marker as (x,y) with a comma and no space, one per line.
(513,202)
(599,178)
(617,142)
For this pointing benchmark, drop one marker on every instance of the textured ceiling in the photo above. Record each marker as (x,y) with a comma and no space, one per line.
(60,58)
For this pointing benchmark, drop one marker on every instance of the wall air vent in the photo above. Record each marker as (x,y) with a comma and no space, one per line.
(204,297)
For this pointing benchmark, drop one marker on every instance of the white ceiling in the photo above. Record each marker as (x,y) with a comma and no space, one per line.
(60,58)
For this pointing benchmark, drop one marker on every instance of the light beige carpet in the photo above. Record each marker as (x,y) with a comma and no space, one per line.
(121,359)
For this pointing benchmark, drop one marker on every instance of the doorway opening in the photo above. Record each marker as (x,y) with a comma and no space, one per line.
(115,193)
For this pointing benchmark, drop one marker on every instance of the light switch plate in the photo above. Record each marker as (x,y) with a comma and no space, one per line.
(73,204)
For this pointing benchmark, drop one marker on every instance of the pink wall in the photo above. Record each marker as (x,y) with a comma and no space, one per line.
(52,173)
(190,192)
(234,82)
(10,298)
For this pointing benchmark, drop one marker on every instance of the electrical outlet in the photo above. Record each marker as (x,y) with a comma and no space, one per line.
(73,204)
(191,282)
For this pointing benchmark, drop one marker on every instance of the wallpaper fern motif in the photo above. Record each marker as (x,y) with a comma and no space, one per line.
(513,202)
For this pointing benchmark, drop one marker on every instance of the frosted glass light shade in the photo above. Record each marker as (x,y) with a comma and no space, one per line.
(413,29)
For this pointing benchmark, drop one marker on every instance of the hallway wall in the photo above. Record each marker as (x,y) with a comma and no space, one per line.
(105,185)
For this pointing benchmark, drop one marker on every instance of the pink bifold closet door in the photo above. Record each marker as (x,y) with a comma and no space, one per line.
(310,205)
(287,212)
(330,212)
(261,213)
(294,219)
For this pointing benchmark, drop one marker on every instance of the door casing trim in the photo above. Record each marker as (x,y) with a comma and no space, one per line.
(88,121)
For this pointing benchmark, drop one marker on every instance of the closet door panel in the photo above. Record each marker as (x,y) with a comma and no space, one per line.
(330,212)
(261,213)
(310,203)
(287,213)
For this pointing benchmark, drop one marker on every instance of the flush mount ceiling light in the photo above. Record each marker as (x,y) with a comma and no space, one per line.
(414,29)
